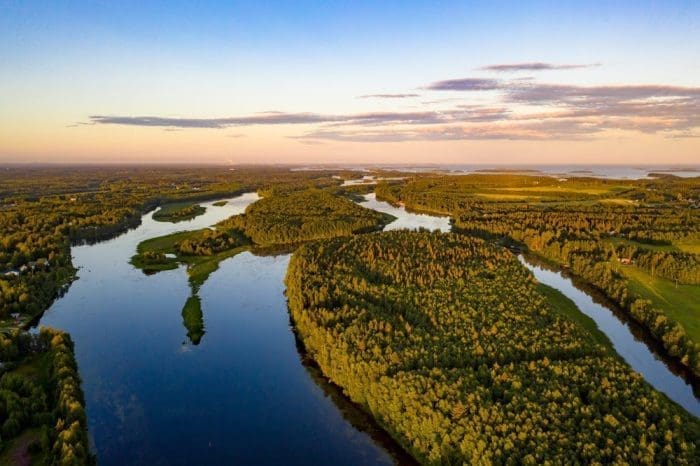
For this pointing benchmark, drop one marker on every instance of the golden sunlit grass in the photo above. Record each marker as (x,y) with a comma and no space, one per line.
(680,302)
(565,188)
(507,197)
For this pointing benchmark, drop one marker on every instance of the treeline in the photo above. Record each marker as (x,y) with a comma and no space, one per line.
(209,242)
(677,266)
(294,216)
(40,389)
(447,342)
(581,236)
(178,213)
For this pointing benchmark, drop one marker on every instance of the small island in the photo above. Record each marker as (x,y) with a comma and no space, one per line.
(178,212)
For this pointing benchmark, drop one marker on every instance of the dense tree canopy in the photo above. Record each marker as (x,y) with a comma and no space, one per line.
(40,388)
(593,227)
(447,342)
(303,215)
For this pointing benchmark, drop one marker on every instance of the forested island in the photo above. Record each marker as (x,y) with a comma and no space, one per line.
(445,339)
(178,212)
(304,215)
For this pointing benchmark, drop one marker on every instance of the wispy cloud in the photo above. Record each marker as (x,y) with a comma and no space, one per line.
(388,96)
(465,84)
(535,66)
(486,109)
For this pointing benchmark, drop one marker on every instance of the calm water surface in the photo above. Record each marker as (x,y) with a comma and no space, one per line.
(405,219)
(242,396)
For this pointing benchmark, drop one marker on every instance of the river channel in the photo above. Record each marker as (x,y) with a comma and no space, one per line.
(245,394)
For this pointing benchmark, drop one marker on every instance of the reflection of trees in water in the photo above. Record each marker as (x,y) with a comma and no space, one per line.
(351,412)
(193,319)
(639,332)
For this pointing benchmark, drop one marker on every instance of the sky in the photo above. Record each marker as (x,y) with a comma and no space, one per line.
(412,82)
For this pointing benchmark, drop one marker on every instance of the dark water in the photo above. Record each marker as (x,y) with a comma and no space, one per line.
(242,396)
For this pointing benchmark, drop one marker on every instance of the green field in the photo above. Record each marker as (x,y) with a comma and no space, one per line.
(680,302)
(651,247)
(691,245)
(566,189)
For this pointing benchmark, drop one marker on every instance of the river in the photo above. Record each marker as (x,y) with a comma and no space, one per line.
(245,394)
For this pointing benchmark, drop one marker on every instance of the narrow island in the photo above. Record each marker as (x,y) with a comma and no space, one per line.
(178,212)
(282,219)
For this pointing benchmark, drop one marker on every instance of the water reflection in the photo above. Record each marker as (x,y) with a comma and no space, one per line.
(241,396)
(404,219)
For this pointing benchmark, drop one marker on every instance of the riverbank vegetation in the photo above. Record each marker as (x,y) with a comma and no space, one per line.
(452,346)
(43,211)
(42,414)
(611,245)
(178,212)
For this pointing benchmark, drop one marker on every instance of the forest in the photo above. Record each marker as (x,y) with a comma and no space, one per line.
(304,215)
(611,233)
(42,411)
(447,341)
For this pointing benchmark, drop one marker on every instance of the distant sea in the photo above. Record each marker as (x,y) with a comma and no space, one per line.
(632,172)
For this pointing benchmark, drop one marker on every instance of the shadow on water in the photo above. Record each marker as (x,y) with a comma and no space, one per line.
(631,341)
(193,319)
(639,332)
(353,413)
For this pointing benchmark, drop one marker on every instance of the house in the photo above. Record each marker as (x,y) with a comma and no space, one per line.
(12,273)
(626,261)
(24,269)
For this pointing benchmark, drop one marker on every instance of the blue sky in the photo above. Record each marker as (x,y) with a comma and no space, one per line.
(65,63)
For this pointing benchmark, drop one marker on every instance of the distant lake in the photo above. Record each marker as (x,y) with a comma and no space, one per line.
(630,172)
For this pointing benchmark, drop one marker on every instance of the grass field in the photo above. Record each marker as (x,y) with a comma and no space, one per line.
(568,308)
(507,197)
(652,247)
(618,201)
(681,303)
(689,245)
(564,188)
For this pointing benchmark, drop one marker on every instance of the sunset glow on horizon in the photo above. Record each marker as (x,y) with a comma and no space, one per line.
(350,82)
